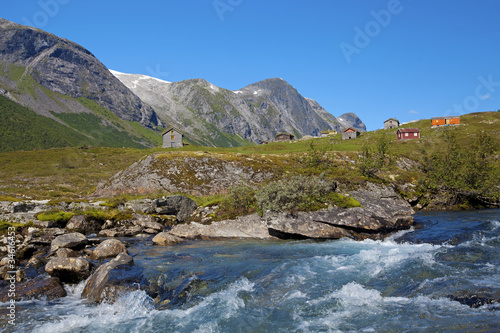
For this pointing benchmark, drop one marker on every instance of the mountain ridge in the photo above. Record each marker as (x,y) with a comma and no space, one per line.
(255,112)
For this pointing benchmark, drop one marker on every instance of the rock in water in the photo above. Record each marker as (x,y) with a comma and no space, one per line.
(110,248)
(165,239)
(74,240)
(96,288)
(68,270)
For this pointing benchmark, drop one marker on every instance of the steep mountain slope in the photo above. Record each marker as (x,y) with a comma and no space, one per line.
(220,117)
(61,80)
(351,120)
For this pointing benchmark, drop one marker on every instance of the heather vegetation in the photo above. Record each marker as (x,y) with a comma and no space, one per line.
(458,165)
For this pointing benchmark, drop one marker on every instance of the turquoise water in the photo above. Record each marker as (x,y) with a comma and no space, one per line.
(405,283)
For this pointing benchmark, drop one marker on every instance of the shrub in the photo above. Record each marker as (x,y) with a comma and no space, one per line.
(296,193)
(240,200)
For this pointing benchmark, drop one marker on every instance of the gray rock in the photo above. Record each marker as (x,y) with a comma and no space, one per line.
(383,211)
(165,239)
(68,270)
(39,288)
(66,253)
(110,233)
(110,248)
(95,288)
(74,240)
(178,205)
(251,226)
(144,206)
(83,224)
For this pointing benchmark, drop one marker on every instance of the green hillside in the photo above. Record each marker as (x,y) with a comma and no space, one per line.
(23,129)
(450,165)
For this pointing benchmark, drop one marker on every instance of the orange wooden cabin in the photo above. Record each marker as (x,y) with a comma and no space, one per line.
(443,121)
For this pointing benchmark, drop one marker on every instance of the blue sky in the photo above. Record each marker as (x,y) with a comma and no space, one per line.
(408,59)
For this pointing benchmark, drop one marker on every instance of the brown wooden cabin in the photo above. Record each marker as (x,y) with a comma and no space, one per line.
(284,136)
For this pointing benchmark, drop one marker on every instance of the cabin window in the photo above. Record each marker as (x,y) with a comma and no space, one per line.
(172,132)
(406,134)
(415,134)
(172,137)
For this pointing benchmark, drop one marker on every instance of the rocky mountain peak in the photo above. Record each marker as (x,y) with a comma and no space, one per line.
(66,68)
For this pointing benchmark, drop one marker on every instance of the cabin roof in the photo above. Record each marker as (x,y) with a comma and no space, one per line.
(409,130)
(169,129)
(283,133)
(350,128)
(391,119)
(445,117)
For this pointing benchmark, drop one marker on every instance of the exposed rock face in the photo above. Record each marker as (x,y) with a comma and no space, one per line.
(69,270)
(83,224)
(251,226)
(351,120)
(178,205)
(39,288)
(99,284)
(110,248)
(194,173)
(66,68)
(257,112)
(382,212)
(74,240)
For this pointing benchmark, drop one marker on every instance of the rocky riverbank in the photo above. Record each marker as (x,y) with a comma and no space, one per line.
(46,254)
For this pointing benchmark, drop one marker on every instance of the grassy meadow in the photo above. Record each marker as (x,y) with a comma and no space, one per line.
(73,173)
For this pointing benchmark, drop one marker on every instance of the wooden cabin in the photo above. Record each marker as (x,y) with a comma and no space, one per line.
(408,133)
(284,136)
(172,138)
(350,133)
(443,121)
(391,123)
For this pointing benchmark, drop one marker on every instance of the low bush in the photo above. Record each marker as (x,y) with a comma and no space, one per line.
(296,193)
(239,201)
(58,216)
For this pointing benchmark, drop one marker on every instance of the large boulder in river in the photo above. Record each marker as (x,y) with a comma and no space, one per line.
(73,240)
(178,205)
(68,270)
(110,248)
(250,226)
(111,277)
(383,211)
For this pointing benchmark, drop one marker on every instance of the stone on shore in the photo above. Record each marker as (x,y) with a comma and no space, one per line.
(73,240)
(110,248)
(178,205)
(68,270)
(250,226)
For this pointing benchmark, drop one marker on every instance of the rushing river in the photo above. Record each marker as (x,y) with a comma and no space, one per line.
(405,283)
